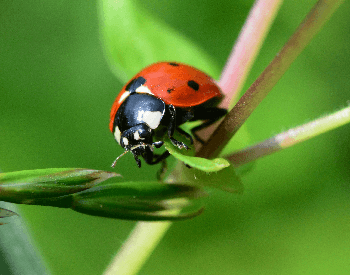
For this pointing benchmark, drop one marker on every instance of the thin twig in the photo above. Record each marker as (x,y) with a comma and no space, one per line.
(138,247)
(311,25)
(246,49)
(291,137)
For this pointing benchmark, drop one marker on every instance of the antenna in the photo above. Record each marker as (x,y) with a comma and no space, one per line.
(133,148)
(115,162)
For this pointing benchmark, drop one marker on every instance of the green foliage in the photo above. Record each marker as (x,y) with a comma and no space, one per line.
(29,185)
(187,157)
(5,213)
(140,39)
(224,179)
(140,201)
(56,94)
(77,189)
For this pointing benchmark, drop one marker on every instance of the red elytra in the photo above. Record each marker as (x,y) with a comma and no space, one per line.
(175,83)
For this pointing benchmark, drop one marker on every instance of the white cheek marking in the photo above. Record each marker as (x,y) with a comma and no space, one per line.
(151,118)
(117,134)
(143,90)
(123,97)
(136,135)
(125,141)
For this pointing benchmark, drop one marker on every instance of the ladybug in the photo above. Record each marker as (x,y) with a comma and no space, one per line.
(156,102)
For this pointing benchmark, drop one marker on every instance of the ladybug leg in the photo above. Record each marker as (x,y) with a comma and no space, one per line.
(158,144)
(182,132)
(211,115)
(150,157)
(162,159)
(157,158)
(171,128)
(138,162)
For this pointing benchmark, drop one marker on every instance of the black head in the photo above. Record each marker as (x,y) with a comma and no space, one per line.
(135,123)
(135,136)
(138,140)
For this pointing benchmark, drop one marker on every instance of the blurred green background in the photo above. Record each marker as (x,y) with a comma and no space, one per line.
(56,90)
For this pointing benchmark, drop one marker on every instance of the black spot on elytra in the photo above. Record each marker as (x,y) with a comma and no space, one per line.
(173,64)
(193,84)
(170,90)
(134,84)
(127,88)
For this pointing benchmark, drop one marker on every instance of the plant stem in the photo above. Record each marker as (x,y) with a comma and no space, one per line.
(291,137)
(138,247)
(233,121)
(242,56)
(246,49)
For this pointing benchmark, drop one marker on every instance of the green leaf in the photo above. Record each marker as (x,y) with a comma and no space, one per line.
(186,156)
(79,189)
(215,173)
(140,201)
(225,179)
(133,39)
(4,213)
(27,186)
